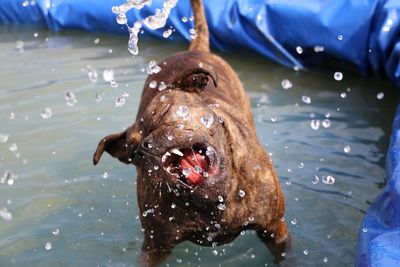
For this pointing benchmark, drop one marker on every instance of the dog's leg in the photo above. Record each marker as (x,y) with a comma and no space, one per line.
(277,241)
(156,248)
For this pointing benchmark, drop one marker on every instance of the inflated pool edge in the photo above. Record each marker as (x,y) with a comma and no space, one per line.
(362,34)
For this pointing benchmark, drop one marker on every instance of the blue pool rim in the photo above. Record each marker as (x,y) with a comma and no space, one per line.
(364,37)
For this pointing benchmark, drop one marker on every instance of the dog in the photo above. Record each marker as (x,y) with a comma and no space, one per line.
(202,174)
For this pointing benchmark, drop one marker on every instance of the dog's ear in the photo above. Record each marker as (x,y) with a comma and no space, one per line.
(119,145)
(195,80)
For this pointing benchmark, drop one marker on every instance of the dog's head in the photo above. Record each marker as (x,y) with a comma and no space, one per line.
(181,140)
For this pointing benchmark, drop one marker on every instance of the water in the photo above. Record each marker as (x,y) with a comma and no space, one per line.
(61,211)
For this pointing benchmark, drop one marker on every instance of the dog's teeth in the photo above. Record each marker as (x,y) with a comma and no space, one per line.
(165,156)
(177,152)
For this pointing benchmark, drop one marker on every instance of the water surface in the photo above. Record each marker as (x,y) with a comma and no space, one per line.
(68,213)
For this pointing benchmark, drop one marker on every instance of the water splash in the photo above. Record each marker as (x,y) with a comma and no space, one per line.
(153,22)
(133,38)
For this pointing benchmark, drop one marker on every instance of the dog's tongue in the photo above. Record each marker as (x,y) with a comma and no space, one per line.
(190,160)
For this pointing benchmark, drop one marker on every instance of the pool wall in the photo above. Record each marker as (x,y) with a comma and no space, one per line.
(340,34)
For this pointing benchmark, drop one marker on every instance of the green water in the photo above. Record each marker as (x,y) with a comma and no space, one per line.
(91,218)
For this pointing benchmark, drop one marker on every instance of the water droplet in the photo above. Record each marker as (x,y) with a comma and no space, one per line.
(70,98)
(163,98)
(92,74)
(25,3)
(108,75)
(198,169)
(319,49)
(315,179)
(306,99)
(173,206)
(35,34)
(19,45)
(221,206)
(4,138)
(299,50)
(105,175)
(293,221)
(48,246)
(156,167)
(286,84)
(207,120)
(113,84)
(338,76)
(380,95)
(340,37)
(13,147)
(99,97)
(220,199)
(184,19)
(115,9)
(325,259)
(120,102)
(12,116)
(55,231)
(215,253)
(10,181)
(182,111)
(153,84)
(301,165)
(365,229)
(96,41)
(315,124)
(330,180)
(205,174)
(121,19)
(193,33)
(305,252)
(326,123)
(5,214)
(46,113)
(170,137)
(186,171)
(133,38)
(153,67)
(343,94)
(162,86)
(167,33)
(242,193)
(347,149)
(159,19)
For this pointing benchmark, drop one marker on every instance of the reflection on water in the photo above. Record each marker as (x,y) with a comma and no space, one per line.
(61,92)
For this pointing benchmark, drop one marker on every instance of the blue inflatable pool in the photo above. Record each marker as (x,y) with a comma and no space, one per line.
(361,34)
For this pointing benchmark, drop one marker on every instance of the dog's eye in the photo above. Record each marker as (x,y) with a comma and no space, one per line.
(195,80)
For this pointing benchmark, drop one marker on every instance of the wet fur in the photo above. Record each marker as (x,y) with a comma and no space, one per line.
(205,83)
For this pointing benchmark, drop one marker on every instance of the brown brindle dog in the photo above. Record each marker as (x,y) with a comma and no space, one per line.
(202,174)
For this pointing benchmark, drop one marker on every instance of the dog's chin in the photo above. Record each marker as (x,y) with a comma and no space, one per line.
(196,171)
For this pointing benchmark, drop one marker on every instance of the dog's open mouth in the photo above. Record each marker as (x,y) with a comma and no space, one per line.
(191,165)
